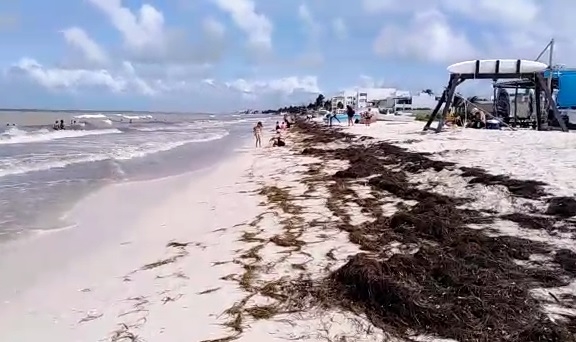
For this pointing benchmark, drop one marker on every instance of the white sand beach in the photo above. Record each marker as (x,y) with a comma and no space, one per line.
(117,286)
(209,256)
(162,267)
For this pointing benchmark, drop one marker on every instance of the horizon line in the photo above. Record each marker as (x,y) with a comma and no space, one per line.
(101,111)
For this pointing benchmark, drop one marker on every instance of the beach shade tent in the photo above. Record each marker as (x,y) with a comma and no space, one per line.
(495,69)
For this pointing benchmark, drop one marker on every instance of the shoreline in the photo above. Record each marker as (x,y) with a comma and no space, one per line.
(41,252)
(52,219)
(101,270)
(310,241)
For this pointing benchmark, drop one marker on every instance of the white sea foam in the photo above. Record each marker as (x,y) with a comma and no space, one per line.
(91,116)
(149,148)
(166,128)
(135,117)
(18,136)
(19,166)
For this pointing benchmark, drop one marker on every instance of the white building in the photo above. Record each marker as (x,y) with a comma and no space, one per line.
(361,97)
(423,100)
(338,99)
(384,98)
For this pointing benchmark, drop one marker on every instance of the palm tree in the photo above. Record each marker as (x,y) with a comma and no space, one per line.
(458,101)
(319,101)
(473,99)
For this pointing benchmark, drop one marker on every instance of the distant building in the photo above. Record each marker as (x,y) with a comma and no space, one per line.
(338,99)
(384,98)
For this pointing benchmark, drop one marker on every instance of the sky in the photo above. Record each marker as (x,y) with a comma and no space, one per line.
(224,55)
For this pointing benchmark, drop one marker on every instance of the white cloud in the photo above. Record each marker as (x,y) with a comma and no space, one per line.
(312,26)
(313,30)
(76,79)
(379,6)
(255,25)
(142,31)
(213,28)
(506,13)
(512,11)
(369,82)
(473,28)
(125,80)
(151,66)
(147,39)
(286,85)
(91,51)
(340,29)
(428,37)
(304,14)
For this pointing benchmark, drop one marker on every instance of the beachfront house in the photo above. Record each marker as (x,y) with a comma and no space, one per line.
(386,99)
(407,101)
(350,100)
(334,101)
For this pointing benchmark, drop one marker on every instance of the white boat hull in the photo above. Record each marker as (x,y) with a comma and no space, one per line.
(488,66)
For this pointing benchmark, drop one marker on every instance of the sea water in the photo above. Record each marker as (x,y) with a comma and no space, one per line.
(43,172)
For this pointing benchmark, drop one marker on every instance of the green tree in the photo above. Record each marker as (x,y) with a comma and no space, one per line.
(328,105)
(340,105)
(319,101)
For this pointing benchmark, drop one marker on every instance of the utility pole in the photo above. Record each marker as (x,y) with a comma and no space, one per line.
(551,63)
(550,49)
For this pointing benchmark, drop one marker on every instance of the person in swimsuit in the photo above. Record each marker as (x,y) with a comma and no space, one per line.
(350,113)
(258,134)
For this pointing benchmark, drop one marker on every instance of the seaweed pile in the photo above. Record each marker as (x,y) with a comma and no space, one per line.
(459,282)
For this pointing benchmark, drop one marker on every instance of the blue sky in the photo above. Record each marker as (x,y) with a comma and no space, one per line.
(221,55)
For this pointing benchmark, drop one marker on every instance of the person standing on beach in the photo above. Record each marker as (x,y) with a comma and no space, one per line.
(332,117)
(258,134)
(368,117)
(350,112)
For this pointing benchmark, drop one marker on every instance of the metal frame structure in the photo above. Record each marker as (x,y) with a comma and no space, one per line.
(517,85)
(537,79)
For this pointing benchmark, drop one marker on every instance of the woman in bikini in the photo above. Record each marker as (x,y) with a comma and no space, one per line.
(258,134)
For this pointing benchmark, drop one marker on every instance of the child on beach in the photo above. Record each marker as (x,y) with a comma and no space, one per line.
(367,117)
(258,134)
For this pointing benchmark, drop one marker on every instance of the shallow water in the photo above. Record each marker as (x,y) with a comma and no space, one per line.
(43,172)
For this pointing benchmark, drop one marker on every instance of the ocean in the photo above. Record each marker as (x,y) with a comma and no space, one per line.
(44,172)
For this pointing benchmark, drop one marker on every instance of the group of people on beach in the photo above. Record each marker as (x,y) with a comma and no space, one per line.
(350,113)
(280,129)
